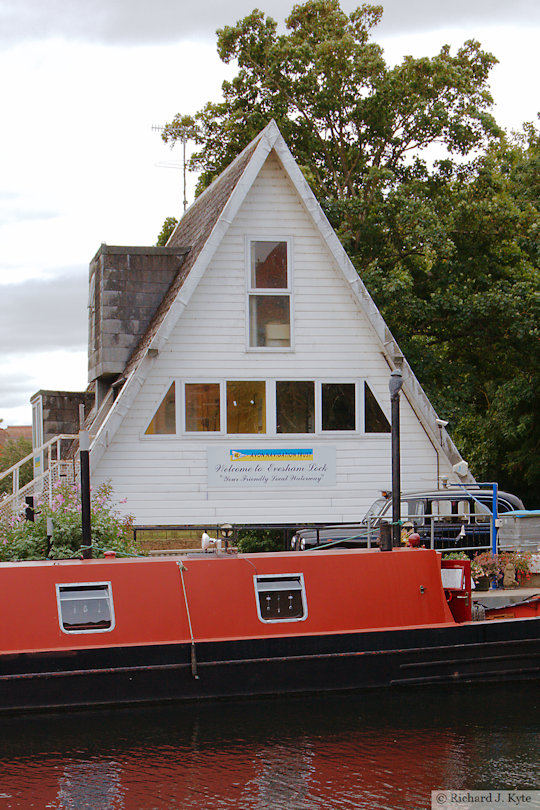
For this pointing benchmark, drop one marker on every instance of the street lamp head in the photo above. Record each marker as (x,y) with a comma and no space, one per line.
(395,382)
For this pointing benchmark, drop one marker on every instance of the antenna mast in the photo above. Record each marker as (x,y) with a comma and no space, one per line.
(183,138)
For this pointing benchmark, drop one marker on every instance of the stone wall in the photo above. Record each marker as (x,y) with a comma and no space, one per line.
(61,411)
(127,284)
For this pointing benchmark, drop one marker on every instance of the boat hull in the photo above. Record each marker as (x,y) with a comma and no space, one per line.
(98,677)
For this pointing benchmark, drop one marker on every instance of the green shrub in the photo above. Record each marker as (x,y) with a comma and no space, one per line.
(252,541)
(27,540)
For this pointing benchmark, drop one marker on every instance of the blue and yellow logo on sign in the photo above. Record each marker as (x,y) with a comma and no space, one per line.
(271,455)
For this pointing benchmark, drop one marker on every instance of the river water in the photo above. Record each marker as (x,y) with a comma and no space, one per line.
(377,749)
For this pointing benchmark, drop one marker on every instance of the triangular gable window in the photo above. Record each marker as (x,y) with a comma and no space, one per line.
(164,421)
(375,420)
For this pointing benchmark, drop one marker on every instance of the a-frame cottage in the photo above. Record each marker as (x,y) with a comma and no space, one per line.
(245,378)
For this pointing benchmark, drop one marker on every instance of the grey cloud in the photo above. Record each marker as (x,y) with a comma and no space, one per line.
(15,214)
(15,207)
(140,22)
(44,314)
(16,389)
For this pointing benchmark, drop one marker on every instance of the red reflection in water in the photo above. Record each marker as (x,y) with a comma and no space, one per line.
(364,769)
(373,751)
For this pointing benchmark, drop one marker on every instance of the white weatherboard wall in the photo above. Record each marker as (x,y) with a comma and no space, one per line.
(165,478)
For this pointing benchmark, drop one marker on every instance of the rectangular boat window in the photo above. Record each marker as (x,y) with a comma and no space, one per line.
(281,598)
(85,607)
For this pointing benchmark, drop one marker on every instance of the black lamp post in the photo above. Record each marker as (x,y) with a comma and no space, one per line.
(84,458)
(396,381)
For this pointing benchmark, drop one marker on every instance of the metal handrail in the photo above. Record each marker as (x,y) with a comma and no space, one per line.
(47,446)
(54,465)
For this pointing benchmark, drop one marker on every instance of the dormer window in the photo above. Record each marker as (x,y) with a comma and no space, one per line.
(269,295)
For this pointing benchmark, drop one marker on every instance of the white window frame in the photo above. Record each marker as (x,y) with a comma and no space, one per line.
(358,406)
(181,407)
(267,385)
(60,585)
(288,291)
(271,408)
(371,436)
(178,414)
(261,577)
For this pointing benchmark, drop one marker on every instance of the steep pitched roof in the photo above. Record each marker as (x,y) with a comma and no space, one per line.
(204,225)
(194,229)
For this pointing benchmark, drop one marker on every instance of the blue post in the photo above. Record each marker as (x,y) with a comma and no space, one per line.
(494,516)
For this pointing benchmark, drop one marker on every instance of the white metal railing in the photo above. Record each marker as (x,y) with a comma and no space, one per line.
(55,469)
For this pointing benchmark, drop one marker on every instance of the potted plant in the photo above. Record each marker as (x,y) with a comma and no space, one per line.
(484,568)
(477,572)
(521,560)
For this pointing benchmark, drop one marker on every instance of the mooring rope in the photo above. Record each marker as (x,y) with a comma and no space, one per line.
(183,568)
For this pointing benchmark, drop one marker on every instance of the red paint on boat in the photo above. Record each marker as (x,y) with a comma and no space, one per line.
(523,610)
(346,591)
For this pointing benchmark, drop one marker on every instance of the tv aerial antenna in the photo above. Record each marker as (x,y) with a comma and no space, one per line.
(183,138)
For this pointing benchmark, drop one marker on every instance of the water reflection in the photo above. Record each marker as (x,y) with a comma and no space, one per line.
(370,750)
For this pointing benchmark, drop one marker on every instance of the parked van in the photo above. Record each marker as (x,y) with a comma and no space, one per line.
(446,519)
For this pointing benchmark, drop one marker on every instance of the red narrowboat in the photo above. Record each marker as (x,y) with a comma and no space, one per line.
(113,631)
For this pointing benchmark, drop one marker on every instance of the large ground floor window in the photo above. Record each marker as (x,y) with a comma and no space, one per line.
(269,407)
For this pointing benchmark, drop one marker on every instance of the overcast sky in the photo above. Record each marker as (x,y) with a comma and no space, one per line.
(83,82)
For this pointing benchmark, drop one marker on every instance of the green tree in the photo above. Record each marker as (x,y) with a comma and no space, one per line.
(461,291)
(168,227)
(449,252)
(350,120)
(12,452)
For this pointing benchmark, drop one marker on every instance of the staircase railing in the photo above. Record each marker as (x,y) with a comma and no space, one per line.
(55,468)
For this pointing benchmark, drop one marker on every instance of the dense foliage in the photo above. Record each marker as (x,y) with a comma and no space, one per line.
(168,227)
(250,541)
(449,249)
(12,452)
(21,539)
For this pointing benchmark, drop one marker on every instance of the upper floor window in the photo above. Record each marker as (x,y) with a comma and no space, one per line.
(295,406)
(164,419)
(202,405)
(375,420)
(338,406)
(246,406)
(269,295)
(292,407)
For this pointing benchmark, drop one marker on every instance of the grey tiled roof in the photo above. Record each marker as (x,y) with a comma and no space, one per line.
(193,230)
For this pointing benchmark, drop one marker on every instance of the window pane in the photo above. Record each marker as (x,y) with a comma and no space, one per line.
(280,598)
(269,265)
(295,407)
(269,320)
(165,419)
(85,607)
(246,407)
(375,420)
(202,407)
(338,406)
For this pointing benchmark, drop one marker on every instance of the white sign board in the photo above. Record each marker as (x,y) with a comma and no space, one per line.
(269,468)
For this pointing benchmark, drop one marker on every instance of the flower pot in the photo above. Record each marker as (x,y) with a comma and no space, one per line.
(482,584)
